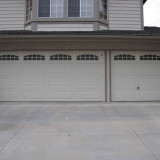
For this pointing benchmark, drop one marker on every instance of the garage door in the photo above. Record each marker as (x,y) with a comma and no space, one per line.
(52,76)
(135,76)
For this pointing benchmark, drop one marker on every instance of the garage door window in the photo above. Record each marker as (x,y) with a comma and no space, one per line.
(61,57)
(87,57)
(149,57)
(9,57)
(124,57)
(34,57)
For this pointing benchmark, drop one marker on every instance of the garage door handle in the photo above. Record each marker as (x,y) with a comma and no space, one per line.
(138,88)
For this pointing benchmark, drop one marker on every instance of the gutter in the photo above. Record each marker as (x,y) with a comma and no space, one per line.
(93,38)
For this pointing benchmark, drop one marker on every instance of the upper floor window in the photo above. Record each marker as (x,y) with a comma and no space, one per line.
(80,8)
(28,9)
(50,8)
(103,9)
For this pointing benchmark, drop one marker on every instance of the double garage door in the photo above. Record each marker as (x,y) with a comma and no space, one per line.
(135,76)
(52,76)
(79,76)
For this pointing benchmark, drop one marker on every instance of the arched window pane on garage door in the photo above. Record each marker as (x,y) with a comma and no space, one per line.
(34,57)
(61,57)
(124,57)
(9,57)
(150,57)
(87,57)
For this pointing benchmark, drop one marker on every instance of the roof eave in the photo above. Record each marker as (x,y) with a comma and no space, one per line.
(36,38)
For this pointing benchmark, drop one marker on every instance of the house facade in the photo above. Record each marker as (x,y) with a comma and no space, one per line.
(77,50)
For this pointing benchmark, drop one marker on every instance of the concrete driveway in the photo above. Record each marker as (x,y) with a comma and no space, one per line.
(79,131)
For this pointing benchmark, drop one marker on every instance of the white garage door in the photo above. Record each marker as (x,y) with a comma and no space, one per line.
(135,76)
(52,76)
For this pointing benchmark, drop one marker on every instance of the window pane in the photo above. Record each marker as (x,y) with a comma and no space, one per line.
(73,8)
(51,8)
(57,8)
(44,8)
(87,8)
(28,9)
(83,8)
(103,9)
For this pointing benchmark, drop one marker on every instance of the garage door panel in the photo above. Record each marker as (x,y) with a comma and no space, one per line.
(59,68)
(31,95)
(59,88)
(89,95)
(86,69)
(59,75)
(149,88)
(124,69)
(146,95)
(147,69)
(121,95)
(5,82)
(32,73)
(9,94)
(36,67)
(60,82)
(45,79)
(124,88)
(86,88)
(138,81)
(9,70)
(149,81)
(123,80)
(87,82)
(60,95)
(33,82)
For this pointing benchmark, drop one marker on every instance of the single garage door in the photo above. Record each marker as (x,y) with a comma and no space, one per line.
(52,76)
(135,76)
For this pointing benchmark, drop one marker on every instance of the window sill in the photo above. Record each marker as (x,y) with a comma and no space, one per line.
(51,20)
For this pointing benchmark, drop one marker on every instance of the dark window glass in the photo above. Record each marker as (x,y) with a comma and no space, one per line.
(124,57)
(150,57)
(34,57)
(9,57)
(87,57)
(73,8)
(44,8)
(61,57)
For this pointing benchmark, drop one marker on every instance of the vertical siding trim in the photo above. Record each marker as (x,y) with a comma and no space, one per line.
(108,76)
(142,15)
(108,13)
